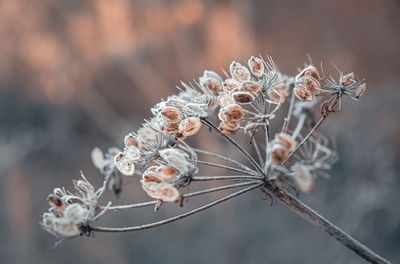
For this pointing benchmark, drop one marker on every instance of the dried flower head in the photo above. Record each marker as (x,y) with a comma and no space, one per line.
(256,66)
(239,72)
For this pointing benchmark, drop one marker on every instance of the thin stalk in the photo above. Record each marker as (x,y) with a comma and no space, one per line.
(212,154)
(256,148)
(330,110)
(150,203)
(317,220)
(175,218)
(234,143)
(226,167)
(289,114)
(217,178)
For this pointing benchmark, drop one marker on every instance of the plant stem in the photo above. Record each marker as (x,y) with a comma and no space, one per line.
(317,220)
(175,218)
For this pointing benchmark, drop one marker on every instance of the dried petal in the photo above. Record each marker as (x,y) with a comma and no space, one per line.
(285,140)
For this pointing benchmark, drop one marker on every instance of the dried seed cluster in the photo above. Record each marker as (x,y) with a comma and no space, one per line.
(248,100)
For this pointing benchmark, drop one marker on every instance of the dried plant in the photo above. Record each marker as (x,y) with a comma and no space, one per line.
(244,104)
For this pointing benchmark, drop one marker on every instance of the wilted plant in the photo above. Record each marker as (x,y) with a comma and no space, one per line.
(245,103)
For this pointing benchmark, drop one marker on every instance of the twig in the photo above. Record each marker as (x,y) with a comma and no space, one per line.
(317,220)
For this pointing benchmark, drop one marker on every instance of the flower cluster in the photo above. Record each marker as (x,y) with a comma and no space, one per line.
(70,214)
(245,103)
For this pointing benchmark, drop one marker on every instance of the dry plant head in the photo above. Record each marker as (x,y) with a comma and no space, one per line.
(243,105)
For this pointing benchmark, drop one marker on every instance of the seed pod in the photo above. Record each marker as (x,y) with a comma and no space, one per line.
(279,154)
(97,156)
(256,66)
(233,113)
(131,141)
(308,71)
(230,84)
(253,87)
(239,73)
(348,79)
(176,158)
(189,126)
(303,177)
(171,128)
(229,128)
(167,173)
(306,88)
(285,140)
(361,90)
(242,97)
(171,114)
(211,81)
(124,164)
(165,192)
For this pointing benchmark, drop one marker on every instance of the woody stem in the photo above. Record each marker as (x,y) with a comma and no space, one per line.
(317,220)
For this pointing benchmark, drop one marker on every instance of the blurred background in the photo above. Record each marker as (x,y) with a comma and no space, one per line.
(79,74)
